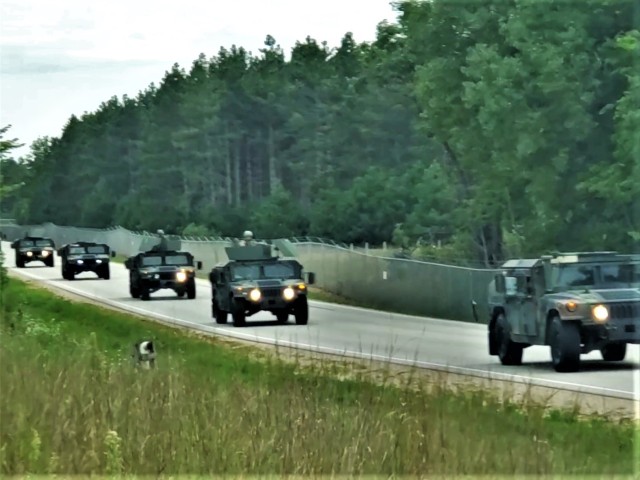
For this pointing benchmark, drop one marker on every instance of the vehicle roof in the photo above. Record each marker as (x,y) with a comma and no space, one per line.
(29,237)
(522,263)
(156,253)
(85,244)
(590,257)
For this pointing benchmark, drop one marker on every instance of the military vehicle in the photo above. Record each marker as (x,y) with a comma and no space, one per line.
(573,302)
(34,249)
(258,278)
(162,267)
(82,257)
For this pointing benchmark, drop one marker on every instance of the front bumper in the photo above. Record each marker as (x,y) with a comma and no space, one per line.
(619,330)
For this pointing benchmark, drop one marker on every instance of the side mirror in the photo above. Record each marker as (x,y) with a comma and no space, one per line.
(127,264)
(199,265)
(499,279)
(311,278)
(113,254)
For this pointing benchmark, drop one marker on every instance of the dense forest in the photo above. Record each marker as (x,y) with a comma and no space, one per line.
(479,129)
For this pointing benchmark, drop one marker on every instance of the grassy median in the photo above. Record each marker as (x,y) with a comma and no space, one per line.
(72,403)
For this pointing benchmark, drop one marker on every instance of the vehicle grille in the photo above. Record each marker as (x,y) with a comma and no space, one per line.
(625,311)
(271,292)
(167,275)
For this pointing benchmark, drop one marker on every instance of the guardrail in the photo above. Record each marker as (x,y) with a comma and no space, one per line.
(393,284)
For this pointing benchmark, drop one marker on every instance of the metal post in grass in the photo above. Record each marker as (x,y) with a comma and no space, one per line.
(144,354)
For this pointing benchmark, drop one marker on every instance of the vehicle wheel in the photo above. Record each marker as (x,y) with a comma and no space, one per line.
(191,290)
(565,345)
(614,352)
(71,275)
(219,315)
(63,272)
(50,262)
(135,293)
(19,263)
(106,273)
(238,314)
(181,293)
(282,316)
(144,293)
(301,311)
(509,352)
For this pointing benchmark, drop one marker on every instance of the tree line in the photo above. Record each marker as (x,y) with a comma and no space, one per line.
(478,129)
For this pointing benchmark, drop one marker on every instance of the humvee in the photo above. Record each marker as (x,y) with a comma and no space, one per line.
(161,268)
(31,249)
(82,257)
(573,302)
(257,279)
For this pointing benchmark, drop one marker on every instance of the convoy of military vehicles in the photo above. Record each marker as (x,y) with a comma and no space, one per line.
(574,303)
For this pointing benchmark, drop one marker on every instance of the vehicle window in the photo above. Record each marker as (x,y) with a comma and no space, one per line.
(96,249)
(43,243)
(176,260)
(282,270)
(76,250)
(26,243)
(575,276)
(245,272)
(617,273)
(151,261)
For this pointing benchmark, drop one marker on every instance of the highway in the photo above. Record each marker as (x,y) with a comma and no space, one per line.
(426,342)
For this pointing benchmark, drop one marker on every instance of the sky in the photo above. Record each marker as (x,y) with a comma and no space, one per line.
(64,57)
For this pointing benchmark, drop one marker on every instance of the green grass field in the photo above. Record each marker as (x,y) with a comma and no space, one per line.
(72,403)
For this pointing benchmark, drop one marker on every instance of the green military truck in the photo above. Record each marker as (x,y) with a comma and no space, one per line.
(255,279)
(160,269)
(80,257)
(573,302)
(34,249)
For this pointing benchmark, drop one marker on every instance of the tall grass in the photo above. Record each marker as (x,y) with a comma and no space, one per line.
(72,403)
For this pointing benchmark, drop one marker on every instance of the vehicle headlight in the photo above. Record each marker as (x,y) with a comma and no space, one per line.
(600,313)
(45,253)
(80,262)
(288,293)
(29,254)
(98,261)
(255,294)
(181,276)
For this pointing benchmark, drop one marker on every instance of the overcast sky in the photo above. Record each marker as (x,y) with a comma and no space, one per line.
(65,57)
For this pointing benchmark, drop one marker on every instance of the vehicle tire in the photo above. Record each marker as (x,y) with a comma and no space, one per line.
(282,316)
(106,273)
(191,290)
(219,315)
(181,293)
(564,340)
(301,311)
(50,262)
(71,275)
(509,352)
(19,263)
(237,313)
(614,352)
(133,291)
(63,271)
(144,293)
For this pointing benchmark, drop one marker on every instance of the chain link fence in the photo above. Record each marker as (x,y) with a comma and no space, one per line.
(376,281)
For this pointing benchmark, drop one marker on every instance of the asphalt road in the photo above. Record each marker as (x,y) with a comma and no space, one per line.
(426,342)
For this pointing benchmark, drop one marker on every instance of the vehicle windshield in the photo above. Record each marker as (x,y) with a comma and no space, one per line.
(263,272)
(600,276)
(93,249)
(169,260)
(36,243)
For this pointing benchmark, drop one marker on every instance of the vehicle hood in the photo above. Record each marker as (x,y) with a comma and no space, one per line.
(266,283)
(604,295)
